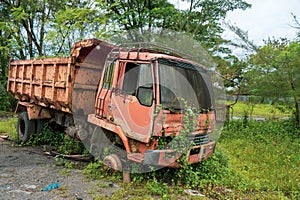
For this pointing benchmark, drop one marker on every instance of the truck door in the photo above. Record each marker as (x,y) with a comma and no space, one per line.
(132,102)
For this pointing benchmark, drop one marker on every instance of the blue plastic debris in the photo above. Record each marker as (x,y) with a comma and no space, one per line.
(51,186)
(6,187)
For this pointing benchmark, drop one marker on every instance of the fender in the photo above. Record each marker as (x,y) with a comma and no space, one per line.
(112,127)
(34,111)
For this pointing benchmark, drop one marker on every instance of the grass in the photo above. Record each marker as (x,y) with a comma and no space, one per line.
(266,155)
(253,160)
(8,127)
(260,110)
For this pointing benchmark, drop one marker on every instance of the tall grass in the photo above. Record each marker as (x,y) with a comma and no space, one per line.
(253,160)
(265,154)
(268,111)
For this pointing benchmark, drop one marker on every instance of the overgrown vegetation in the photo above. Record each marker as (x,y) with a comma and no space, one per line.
(8,103)
(266,155)
(268,111)
(254,160)
(58,140)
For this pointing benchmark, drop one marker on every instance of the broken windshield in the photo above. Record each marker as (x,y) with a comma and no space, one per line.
(179,80)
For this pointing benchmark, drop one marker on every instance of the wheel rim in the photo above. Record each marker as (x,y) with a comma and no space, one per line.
(112,161)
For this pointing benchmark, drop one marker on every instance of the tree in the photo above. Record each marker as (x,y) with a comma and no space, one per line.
(31,29)
(202,20)
(275,72)
(77,21)
(47,27)
(139,15)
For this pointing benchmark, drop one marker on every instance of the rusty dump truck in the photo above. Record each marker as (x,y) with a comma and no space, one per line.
(128,97)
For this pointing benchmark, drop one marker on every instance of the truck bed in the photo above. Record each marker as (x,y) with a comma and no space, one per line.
(66,84)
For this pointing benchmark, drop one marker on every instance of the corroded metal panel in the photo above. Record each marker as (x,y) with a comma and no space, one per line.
(57,82)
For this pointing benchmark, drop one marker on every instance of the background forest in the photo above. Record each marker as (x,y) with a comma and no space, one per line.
(43,28)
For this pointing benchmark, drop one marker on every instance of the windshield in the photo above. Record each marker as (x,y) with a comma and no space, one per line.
(179,80)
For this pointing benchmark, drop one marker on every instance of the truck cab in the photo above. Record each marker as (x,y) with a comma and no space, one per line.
(143,97)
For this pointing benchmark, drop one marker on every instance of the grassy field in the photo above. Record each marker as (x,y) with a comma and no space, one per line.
(8,126)
(267,111)
(267,157)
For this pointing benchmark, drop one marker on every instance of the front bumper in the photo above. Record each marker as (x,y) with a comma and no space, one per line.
(170,158)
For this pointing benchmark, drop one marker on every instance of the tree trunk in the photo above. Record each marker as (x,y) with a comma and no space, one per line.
(297,114)
(297,117)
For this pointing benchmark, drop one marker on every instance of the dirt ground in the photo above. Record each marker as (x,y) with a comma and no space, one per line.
(25,171)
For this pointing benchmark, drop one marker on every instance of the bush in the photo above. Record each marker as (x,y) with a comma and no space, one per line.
(51,137)
(8,103)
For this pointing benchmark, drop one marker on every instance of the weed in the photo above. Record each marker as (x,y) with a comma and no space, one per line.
(47,137)
(57,139)
(264,154)
(69,146)
(95,170)
(157,188)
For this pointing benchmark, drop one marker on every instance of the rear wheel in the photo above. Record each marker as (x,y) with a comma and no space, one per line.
(25,127)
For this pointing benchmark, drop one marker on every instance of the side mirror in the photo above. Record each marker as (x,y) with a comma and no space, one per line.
(145,95)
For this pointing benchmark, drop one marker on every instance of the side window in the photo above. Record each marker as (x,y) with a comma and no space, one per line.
(145,76)
(108,75)
(137,81)
(130,78)
(136,75)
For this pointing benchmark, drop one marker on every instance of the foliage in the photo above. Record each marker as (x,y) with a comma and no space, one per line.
(72,23)
(8,103)
(202,20)
(275,73)
(266,110)
(49,28)
(69,146)
(4,98)
(95,170)
(265,154)
(48,136)
(256,160)
(157,188)
(38,28)
(57,139)
(231,69)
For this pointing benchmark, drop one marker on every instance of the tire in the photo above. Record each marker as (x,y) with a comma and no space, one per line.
(25,127)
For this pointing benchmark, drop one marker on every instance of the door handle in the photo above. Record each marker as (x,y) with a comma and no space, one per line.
(110,106)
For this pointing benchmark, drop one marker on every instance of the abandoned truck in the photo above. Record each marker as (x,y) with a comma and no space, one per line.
(130,94)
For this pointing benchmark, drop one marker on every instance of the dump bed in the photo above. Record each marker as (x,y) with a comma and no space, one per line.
(65,84)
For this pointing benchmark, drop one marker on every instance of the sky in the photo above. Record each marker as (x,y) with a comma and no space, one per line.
(266,18)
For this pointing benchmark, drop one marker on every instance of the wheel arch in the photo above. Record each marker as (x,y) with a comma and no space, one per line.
(34,111)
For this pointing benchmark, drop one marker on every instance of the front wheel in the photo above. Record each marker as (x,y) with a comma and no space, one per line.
(25,127)
(112,161)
